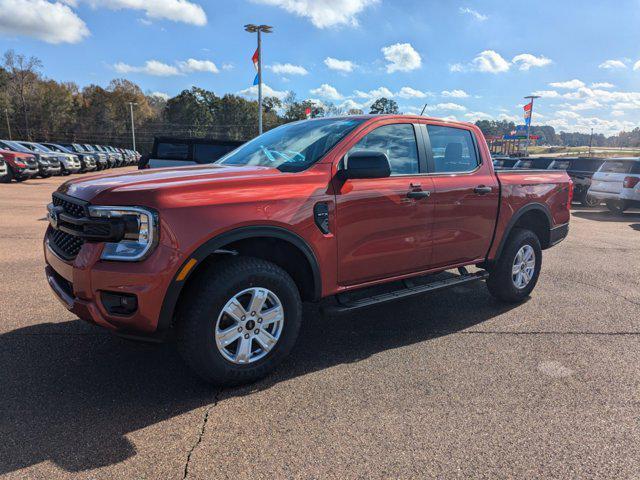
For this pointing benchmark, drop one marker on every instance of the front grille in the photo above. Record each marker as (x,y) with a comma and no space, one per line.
(65,245)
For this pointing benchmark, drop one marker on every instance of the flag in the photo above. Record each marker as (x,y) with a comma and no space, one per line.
(307,112)
(527,113)
(256,63)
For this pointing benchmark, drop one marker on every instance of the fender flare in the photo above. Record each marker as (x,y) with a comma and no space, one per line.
(517,216)
(210,246)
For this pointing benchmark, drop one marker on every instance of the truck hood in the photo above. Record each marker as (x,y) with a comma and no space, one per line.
(150,181)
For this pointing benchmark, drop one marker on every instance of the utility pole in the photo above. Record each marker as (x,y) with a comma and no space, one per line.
(590,142)
(6,113)
(133,128)
(259,29)
(532,98)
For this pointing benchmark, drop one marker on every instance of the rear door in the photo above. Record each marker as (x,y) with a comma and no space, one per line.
(466,195)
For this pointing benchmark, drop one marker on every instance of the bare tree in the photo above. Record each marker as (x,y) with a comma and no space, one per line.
(23,78)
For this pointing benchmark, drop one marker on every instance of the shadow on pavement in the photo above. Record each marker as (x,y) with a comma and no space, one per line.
(70,393)
(635,226)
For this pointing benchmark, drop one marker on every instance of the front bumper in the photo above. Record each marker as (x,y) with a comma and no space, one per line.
(78,285)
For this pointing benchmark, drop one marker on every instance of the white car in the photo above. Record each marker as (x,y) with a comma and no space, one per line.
(630,194)
(69,163)
(607,182)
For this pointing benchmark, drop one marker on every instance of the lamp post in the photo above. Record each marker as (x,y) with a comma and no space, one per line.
(590,142)
(532,98)
(133,128)
(259,29)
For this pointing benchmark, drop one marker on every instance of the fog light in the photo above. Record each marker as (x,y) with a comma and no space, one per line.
(121,304)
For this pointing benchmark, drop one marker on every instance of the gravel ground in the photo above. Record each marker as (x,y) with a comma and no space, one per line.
(441,386)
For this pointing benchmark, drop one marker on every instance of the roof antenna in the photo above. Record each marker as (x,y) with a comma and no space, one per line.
(423,109)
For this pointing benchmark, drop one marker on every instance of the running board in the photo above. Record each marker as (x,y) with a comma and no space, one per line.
(410,289)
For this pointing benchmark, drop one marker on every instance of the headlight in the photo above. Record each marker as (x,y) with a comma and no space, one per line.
(138,242)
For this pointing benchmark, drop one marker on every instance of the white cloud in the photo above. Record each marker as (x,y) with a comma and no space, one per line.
(636,66)
(408,92)
(457,67)
(475,116)
(447,106)
(288,69)
(193,65)
(324,13)
(588,104)
(47,21)
(602,85)
(612,64)
(475,14)
(351,104)
(374,94)
(578,123)
(546,93)
(151,67)
(162,95)
(617,113)
(176,10)
(327,91)
(267,91)
(509,118)
(491,62)
(455,93)
(227,66)
(570,84)
(339,65)
(525,61)
(402,57)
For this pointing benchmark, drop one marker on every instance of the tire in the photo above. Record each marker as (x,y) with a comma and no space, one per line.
(7,178)
(589,201)
(201,316)
(617,206)
(502,281)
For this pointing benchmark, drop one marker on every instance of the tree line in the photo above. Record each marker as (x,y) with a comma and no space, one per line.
(36,108)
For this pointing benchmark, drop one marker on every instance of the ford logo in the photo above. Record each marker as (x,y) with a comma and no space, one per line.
(53,215)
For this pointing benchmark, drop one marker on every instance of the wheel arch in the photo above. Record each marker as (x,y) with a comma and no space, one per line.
(286,249)
(535,217)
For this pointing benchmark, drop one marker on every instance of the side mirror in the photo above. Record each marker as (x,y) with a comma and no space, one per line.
(366,164)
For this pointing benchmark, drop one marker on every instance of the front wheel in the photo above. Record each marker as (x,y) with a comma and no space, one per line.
(516,272)
(616,206)
(240,319)
(590,201)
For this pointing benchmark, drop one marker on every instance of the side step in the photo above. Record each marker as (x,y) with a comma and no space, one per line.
(410,289)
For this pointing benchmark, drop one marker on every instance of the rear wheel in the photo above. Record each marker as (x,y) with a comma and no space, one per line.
(240,319)
(7,178)
(617,206)
(516,272)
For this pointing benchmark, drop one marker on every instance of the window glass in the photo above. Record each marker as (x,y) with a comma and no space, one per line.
(613,166)
(453,149)
(292,147)
(398,142)
(635,168)
(207,153)
(173,151)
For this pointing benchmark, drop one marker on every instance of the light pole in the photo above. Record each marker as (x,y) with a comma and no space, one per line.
(251,28)
(532,98)
(590,142)
(6,113)
(133,128)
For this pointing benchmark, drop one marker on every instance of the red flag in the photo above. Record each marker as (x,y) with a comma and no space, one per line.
(255,59)
(527,107)
(307,112)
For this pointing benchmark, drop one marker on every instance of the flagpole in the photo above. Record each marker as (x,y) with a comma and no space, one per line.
(526,148)
(259,29)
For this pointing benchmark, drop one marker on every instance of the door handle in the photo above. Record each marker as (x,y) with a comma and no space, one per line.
(482,190)
(417,194)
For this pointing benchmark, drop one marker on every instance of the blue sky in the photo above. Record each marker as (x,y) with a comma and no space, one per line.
(466,59)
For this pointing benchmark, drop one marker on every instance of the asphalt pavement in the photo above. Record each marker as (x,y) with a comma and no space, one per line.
(448,385)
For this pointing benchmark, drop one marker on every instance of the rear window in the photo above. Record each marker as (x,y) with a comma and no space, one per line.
(172,151)
(636,167)
(616,166)
(585,165)
(563,165)
(206,153)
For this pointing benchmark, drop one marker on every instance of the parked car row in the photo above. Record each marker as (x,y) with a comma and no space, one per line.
(614,181)
(20,160)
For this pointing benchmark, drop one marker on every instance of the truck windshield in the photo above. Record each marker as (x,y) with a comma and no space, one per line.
(292,147)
